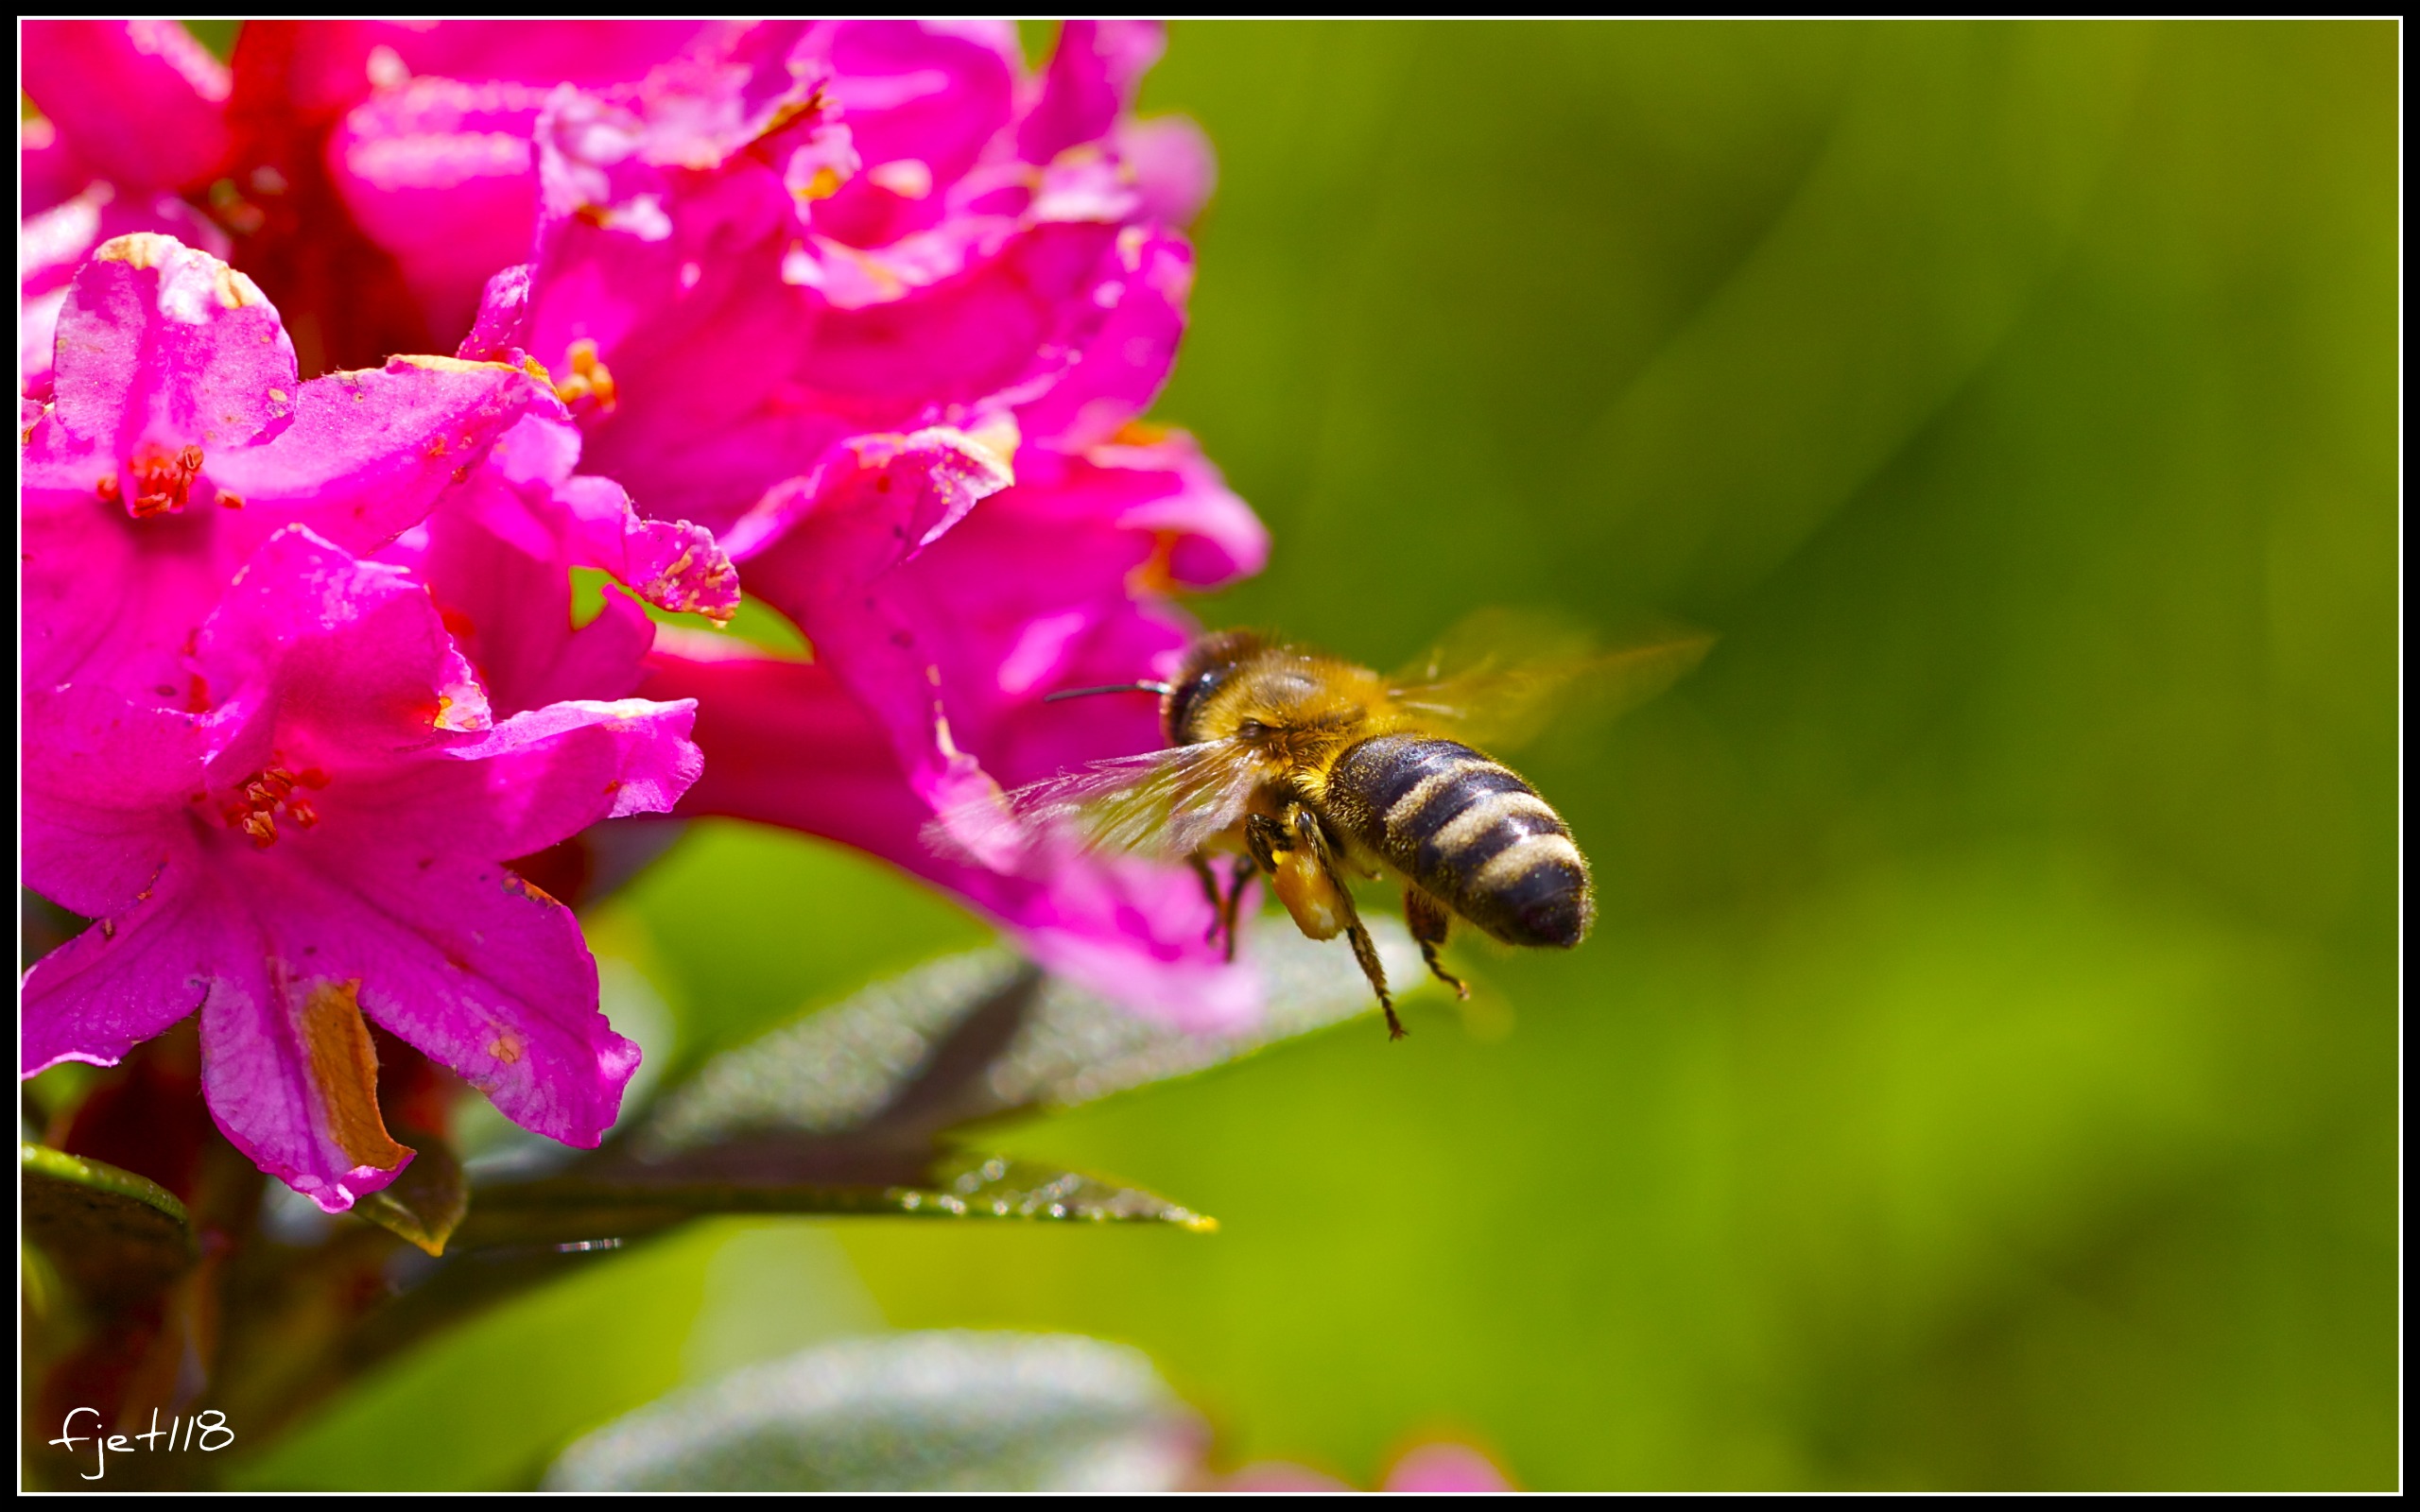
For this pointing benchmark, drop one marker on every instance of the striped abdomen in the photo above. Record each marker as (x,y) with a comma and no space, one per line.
(1469,832)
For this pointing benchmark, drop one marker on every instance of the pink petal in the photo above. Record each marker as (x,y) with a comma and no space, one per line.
(748,80)
(1003,321)
(212,939)
(509,610)
(368,453)
(539,777)
(275,1032)
(1174,166)
(921,101)
(1442,1468)
(529,495)
(464,961)
(501,330)
(141,102)
(442,175)
(787,744)
(585,52)
(329,66)
(614,157)
(1043,585)
(360,456)
(834,539)
(48,170)
(1093,75)
(1126,357)
(108,598)
(933,92)
(170,347)
(104,781)
(1159,481)
(119,983)
(52,245)
(349,658)
(741,355)
(36,335)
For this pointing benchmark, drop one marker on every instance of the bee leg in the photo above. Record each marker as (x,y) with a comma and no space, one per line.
(1365,949)
(1210,889)
(1234,901)
(1429,921)
(1265,837)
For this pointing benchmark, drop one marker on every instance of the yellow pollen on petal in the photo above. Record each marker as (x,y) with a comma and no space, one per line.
(1000,435)
(1154,574)
(427,362)
(142,249)
(344,1075)
(590,379)
(449,720)
(506,1046)
(234,290)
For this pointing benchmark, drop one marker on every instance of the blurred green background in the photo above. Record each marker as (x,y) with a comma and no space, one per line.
(1984,1070)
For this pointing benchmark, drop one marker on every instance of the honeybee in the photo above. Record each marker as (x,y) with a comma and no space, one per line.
(1306,769)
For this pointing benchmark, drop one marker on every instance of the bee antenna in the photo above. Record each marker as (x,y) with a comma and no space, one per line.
(1159,688)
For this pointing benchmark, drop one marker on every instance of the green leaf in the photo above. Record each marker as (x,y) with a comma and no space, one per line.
(846,1111)
(428,1202)
(1078,1047)
(115,1235)
(979,1035)
(575,1209)
(913,1412)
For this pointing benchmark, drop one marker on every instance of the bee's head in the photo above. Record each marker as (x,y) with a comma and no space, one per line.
(1208,665)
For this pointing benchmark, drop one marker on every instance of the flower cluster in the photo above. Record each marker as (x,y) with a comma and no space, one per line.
(293,699)
(859,317)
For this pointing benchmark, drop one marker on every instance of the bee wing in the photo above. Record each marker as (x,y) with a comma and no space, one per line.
(1498,678)
(1162,803)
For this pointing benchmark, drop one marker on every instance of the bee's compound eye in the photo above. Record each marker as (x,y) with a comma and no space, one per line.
(1252,729)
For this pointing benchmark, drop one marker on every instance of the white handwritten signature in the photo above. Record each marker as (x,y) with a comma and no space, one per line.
(204,1431)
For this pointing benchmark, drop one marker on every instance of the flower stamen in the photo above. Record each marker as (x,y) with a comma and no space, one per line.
(590,379)
(261,797)
(163,483)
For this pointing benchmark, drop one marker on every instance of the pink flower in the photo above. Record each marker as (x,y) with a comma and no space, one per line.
(138,104)
(138,117)
(262,761)
(1431,1469)
(863,248)
(941,606)
(107,161)
(881,311)
(180,439)
(53,244)
(864,298)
